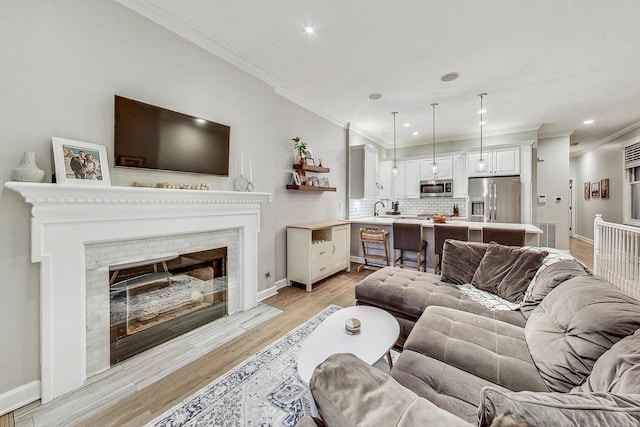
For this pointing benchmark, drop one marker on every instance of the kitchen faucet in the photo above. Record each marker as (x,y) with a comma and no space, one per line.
(375,211)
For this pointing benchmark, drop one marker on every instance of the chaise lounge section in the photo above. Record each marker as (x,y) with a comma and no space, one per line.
(569,354)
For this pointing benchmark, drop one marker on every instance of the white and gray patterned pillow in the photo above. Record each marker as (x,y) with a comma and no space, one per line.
(487,299)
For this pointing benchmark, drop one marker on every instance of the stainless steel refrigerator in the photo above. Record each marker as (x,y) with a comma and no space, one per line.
(495,199)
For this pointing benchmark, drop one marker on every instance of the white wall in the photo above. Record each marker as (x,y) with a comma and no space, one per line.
(62,63)
(552,181)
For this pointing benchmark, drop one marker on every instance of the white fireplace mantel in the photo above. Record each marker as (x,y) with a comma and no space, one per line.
(66,218)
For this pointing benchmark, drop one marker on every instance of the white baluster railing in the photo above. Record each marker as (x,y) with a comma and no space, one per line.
(615,255)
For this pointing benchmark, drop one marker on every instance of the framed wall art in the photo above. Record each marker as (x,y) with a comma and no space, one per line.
(80,163)
(604,188)
(587,190)
(595,190)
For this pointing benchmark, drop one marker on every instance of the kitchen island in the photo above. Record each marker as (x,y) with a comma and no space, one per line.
(386,223)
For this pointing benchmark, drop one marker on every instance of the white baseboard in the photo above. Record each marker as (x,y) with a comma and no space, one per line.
(19,397)
(282,283)
(262,295)
(584,239)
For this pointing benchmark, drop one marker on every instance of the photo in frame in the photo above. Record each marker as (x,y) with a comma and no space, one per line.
(604,188)
(310,157)
(296,178)
(324,181)
(80,163)
(587,190)
(595,190)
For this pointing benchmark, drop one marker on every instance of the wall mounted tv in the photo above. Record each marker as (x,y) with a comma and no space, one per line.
(151,137)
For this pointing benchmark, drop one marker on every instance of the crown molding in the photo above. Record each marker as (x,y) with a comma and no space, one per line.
(286,94)
(362,132)
(591,147)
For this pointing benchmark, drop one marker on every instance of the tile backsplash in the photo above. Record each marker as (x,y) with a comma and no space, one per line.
(360,208)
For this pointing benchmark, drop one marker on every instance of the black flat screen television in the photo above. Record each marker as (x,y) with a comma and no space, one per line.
(151,137)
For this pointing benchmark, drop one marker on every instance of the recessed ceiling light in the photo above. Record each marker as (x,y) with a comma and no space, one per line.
(406,125)
(201,121)
(375,96)
(482,123)
(588,122)
(308,29)
(416,133)
(483,111)
(450,77)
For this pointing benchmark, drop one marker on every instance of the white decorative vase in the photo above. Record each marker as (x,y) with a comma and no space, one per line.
(28,171)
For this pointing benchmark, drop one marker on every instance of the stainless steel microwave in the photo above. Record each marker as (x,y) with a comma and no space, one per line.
(436,188)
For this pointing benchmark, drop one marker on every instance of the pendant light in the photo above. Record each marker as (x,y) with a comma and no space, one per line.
(435,169)
(395,170)
(481,164)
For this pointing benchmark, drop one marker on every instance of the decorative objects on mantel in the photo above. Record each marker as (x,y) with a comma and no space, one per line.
(80,163)
(202,186)
(243,183)
(28,171)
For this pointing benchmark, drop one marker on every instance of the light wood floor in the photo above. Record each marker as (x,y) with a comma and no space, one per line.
(297,306)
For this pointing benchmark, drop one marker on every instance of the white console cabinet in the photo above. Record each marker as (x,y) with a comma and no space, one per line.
(316,251)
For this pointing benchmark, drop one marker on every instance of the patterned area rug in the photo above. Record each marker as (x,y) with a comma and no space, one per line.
(264,390)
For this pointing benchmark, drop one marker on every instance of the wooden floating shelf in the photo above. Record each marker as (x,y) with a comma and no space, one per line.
(309,188)
(311,168)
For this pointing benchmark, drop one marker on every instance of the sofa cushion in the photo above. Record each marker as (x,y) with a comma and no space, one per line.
(617,370)
(493,350)
(448,387)
(547,279)
(557,409)
(349,392)
(460,260)
(507,270)
(574,325)
(406,294)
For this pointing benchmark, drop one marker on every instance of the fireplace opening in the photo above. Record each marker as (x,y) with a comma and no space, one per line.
(155,300)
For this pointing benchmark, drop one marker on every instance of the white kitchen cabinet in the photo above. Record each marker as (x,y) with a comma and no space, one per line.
(500,161)
(445,166)
(460,181)
(407,183)
(364,172)
(316,251)
(386,179)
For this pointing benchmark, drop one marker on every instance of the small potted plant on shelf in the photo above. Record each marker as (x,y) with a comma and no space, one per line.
(301,147)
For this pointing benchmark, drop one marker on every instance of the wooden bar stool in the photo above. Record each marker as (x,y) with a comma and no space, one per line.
(371,239)
(442,232)
(504,236)
(408,237)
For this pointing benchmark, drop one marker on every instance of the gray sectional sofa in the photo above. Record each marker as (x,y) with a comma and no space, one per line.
(537,340)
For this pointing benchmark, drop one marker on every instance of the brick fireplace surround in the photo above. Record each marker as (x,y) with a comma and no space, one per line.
(69,222)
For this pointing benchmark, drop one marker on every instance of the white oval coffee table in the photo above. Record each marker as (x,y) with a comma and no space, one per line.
(379,332)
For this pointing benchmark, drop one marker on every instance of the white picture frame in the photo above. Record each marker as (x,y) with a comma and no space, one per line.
(296,178)
(80,163)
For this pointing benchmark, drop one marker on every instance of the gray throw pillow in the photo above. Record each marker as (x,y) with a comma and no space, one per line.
(507,270)
(460,260)
(528,408)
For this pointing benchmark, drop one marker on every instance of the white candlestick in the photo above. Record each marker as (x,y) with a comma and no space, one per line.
(250,171)
(241,163)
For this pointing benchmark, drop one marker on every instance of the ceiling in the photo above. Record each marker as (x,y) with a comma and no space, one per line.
(545,64)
